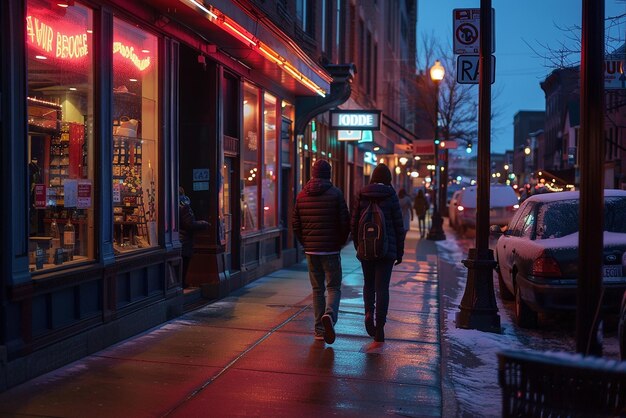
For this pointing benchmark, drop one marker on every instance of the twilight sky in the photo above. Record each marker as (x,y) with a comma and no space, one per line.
(518,69)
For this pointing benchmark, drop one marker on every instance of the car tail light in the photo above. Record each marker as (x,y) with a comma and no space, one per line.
(512,208)
(467,213)
(546,267)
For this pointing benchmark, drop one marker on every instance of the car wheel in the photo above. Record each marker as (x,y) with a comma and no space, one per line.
(524,316)
(505,293)
(621,330)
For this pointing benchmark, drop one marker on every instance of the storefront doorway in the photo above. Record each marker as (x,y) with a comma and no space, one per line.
(229,215)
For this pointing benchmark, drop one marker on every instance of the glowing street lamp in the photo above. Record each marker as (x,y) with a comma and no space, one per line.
(437,73)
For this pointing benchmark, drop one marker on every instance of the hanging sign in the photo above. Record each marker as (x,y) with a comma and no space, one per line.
(343,135)
(424,147)
(355,119)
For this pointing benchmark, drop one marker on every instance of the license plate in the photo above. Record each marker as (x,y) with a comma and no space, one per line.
(612,271)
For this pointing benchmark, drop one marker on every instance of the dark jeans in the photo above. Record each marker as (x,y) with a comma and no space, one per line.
(325,274)
(422,224)
(376,278)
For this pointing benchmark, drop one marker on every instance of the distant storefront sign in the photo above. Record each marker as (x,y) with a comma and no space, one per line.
(343,135)
(370,158)
(423,147)
(355,119)
(614,77)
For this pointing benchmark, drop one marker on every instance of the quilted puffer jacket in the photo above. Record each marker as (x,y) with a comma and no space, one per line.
(321,220)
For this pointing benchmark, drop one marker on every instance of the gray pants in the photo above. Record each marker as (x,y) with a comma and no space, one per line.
(325,274)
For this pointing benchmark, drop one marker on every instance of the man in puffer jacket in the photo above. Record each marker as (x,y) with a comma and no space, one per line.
(377,273)
(321,222)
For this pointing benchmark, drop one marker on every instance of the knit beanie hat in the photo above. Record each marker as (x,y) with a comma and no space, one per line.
(381,174)
(321,169)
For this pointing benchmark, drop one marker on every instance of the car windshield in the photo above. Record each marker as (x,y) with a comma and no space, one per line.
(560,218)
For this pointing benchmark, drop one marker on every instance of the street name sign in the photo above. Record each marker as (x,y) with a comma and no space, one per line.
(466,24)
(467,69)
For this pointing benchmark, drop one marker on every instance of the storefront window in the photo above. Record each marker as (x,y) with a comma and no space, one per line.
(270,169)
(60,151)
(135,138)
(250,156)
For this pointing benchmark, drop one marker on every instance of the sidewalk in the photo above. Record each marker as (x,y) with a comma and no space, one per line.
(253,354)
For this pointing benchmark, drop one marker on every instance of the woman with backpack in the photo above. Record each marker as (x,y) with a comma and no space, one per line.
(378,232)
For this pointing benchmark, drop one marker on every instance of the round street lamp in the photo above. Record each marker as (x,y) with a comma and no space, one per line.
(437,73)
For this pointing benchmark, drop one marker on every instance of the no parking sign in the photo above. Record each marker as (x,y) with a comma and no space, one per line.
(466,23)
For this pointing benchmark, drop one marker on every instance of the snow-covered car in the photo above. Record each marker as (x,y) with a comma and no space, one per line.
(503,202)
(537,256)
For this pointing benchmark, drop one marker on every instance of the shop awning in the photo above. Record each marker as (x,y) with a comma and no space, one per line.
(247,37)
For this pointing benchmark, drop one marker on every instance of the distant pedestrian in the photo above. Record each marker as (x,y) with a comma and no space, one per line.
(406,206)
(421,206)
(188,226)
(377,272)
(321,222)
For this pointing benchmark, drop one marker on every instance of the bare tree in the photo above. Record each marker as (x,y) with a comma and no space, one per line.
(457,104)
(565,52)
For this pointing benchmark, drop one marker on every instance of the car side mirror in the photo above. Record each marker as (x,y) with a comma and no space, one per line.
(496,230)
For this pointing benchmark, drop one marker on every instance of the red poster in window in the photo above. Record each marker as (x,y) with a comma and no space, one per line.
(40,196)
(77,139)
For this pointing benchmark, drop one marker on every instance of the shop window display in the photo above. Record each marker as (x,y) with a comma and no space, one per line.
(250,152)
(60,155)
(135,138)
(270,168)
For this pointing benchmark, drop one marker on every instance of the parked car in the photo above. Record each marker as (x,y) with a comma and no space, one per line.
(537,256)
(503,202)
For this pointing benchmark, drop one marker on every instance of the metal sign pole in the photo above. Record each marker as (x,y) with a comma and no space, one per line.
(590,240)
(478,309)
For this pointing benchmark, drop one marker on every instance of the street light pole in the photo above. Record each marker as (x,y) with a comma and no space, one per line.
(437,72)
(478,309)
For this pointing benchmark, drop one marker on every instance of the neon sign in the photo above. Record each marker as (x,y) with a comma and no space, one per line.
(54,42)
(355,119)
(128,52)
(73,46)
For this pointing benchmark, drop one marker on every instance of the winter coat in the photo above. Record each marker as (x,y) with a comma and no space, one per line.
(390,205)
(188,225)
(406,206)
(320,219)
(421,205)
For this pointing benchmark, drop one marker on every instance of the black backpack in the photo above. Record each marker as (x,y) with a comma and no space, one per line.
(372,239)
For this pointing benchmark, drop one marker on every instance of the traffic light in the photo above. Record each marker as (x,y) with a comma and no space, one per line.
(469,148)
(437,141)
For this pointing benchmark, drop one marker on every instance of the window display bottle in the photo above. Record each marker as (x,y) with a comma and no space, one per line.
(56,238)
(69,238)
